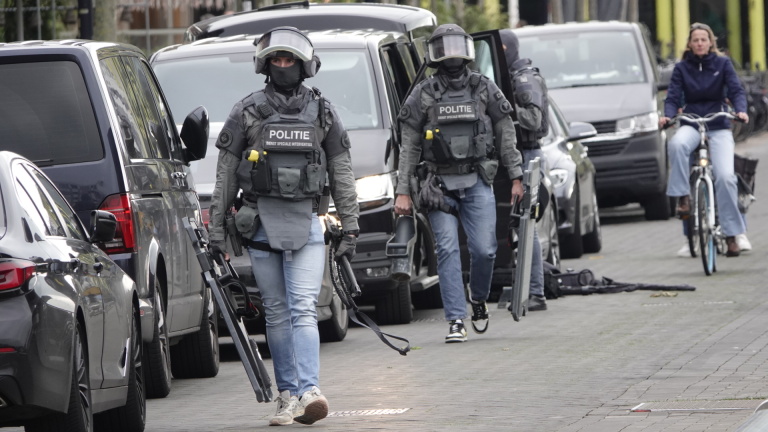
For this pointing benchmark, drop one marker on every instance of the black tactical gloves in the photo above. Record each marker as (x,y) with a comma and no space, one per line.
(347,247)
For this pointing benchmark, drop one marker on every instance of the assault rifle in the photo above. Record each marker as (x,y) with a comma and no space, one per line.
(345,284)
(221,277)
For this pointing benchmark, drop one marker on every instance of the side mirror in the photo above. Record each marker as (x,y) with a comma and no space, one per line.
(194,133)
(581,130)
(103,226)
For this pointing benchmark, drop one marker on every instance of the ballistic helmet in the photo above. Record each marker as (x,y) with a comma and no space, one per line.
(449,41)
(285,42)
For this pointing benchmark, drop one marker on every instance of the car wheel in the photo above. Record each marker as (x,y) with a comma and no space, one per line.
(395,306)
(657,207)
(571,245)
(335,328)
(593,240)
(157,355)
(79,415)
(133,415)
(197,355)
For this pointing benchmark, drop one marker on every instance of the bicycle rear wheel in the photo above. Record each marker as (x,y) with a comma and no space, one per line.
(705,209)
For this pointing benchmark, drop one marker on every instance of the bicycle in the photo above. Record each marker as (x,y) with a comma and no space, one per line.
(703,226)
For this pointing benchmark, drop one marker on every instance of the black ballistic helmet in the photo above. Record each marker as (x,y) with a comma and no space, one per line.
(449,41)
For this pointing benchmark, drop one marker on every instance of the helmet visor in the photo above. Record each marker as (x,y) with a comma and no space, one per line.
(451,46)
(285,40)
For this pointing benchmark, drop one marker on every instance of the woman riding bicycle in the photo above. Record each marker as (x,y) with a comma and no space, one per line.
(699,85)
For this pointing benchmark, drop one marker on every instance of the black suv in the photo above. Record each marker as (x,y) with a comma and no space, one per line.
(365,74)
(93,117)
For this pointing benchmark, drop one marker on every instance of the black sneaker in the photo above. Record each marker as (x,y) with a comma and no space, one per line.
(479,316)
(456,332)
(536,303)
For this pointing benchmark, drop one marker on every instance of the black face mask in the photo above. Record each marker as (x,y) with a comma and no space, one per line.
(286,78)
(452,66)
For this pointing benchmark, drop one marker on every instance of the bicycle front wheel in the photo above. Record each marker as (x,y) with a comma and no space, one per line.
(704,206)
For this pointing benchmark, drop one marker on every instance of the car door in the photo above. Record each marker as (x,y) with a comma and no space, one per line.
(180,202)
(72,255)
(100,278)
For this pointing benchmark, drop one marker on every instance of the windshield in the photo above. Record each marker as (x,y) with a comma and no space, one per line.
(217,82)
(46,115)
(585,58)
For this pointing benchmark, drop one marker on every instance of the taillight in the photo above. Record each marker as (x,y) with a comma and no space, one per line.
(15,273)
(124,240)
(206,216)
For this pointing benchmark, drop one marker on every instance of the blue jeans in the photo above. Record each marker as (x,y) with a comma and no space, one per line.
(721,149)
(477,211)
(289,290)
(537,266)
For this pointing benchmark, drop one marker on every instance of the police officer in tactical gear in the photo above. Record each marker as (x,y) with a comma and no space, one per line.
(452,119)
(280,145)
(531,113)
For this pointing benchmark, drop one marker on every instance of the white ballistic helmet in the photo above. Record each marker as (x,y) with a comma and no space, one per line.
(282,41)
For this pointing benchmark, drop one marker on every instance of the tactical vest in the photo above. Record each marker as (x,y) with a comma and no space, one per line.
(286,159)
(528,90)
(458,131)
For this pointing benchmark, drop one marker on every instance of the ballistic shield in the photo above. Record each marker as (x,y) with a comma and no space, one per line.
(523,221)
(222,278)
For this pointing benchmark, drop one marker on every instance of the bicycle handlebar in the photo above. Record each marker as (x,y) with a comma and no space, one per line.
(699,119)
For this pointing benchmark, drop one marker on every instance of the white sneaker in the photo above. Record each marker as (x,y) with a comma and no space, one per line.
(313,407)
(287,408)
(743,242)
(685,251)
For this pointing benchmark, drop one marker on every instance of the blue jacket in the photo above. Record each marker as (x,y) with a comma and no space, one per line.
(700,85)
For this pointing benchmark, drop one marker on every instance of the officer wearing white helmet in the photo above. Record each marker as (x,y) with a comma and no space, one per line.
(452,120)
(279,146)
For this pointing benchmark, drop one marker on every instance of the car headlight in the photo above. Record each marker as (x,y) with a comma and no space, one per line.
(374,191)
(641,123)
(559,176)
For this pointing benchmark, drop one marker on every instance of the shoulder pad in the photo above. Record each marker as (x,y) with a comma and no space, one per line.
(475,79)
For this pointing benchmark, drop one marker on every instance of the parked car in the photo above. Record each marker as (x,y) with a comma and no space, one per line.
(413,22)
(93,117)
(573,175)
(70,341)
(364,74)
(605,73)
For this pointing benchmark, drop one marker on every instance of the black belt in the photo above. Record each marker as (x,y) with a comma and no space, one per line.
(259,246)
(453,169)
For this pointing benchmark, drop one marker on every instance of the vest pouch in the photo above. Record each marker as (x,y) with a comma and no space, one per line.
(314,174)
(247,221)
(487,170)
(261,178)
(439,148)
(481,145)
(288,181)
(459,147)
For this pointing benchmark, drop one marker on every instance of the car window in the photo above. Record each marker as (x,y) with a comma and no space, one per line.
(484,59)
(585,58)
(151,105)
(73,224)
(130,116)
(46,113)
(345,78)
(165,114)
(36,204)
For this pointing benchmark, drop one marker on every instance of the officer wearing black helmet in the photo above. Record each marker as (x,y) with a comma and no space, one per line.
(280,145)
(453,119)
(531,113)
